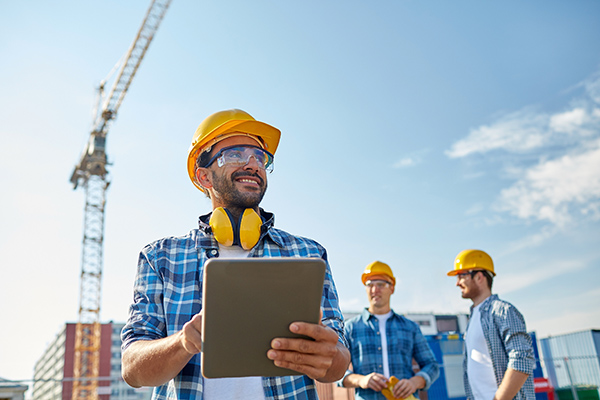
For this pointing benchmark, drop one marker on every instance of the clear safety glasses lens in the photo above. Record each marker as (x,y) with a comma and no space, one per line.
(377,284)
(240,156)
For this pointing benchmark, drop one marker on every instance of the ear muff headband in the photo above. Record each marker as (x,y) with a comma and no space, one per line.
(229,232)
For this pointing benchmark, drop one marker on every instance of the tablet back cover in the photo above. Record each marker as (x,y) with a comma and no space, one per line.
(247,302)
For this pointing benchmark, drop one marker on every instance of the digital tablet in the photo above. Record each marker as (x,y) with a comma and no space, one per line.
(247,302)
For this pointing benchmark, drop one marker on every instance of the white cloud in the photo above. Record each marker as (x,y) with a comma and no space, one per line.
(550,189)
(566,179)
(405,162)
(474,209)
(569,121)
(532,240)
(592,87)
(518,131)
(411,160)
(527,277)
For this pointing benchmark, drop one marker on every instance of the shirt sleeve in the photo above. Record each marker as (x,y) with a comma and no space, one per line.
(332,315)
(517,342)
(422,353)
(350,369)
(146,319)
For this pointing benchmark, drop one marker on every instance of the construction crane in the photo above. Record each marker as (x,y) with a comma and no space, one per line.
(92,175)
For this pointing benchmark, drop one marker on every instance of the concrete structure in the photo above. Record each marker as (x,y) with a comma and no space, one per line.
(53,373)
(12,390)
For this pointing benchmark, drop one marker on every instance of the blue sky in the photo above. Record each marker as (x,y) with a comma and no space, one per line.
(410,131)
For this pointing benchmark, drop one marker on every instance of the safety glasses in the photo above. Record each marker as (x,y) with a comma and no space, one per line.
(472,272)
(379,284)
(240,155)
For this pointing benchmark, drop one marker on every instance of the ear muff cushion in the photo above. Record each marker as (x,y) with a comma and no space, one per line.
(221,226)
(249,229)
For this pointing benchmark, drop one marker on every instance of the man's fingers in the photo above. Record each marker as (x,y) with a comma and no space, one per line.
(304,347)
(318,332)
(378,382)
(403,389)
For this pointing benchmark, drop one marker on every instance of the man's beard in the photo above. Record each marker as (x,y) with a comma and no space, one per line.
(226,190)
(471,293)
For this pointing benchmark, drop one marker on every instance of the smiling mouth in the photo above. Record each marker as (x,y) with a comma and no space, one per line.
(246,178)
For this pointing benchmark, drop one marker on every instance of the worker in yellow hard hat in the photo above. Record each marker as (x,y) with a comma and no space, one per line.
(229,159)
(499,358)
(383,345)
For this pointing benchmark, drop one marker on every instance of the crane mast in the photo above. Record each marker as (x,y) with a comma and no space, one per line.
(91,173)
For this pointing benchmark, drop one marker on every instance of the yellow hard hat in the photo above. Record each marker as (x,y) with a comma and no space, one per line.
(377,268)
(224,124)
(472,259)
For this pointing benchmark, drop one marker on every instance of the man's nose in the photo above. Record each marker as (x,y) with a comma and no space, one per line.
(252,163)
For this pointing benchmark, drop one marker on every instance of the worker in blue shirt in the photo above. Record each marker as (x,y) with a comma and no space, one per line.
(229,159)
(383,345)
(498,359)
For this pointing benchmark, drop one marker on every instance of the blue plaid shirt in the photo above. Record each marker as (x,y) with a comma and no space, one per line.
(404,342)
(509,343)
(168,293)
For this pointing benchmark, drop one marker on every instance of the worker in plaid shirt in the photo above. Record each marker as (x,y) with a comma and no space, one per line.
(499,358)
(383,345)
(230,156)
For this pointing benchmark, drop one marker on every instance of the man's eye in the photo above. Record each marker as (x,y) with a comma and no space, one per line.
(235,155)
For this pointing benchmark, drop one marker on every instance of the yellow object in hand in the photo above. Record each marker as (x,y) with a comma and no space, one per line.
(389,391)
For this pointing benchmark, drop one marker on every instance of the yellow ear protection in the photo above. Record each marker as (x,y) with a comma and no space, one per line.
(229,232)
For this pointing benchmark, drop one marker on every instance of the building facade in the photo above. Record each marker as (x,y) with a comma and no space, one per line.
(53,373)
(12,390)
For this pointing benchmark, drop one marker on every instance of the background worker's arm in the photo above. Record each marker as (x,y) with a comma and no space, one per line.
(374,381)
(155,362)
(511,384)
(324,359)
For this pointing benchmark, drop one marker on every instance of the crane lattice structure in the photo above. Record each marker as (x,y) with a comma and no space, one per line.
(91,173)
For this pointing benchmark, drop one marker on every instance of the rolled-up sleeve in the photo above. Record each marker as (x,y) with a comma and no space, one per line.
(430,369)
(146,319)
(518,343)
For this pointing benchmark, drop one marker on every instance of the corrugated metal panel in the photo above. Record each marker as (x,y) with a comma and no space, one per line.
(572,359)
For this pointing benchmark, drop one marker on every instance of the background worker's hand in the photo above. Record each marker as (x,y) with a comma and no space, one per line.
(191,334)
(311,358)
(404,388)
(374,381)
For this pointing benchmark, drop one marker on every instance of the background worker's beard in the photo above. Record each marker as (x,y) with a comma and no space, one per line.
(226,190)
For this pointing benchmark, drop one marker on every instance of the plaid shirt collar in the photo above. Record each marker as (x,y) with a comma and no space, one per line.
(366,315)
(486,304)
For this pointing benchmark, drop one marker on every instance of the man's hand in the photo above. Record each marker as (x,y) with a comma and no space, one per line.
(323,359)
(191,334)
(406,387)
(374,381)
(155,362)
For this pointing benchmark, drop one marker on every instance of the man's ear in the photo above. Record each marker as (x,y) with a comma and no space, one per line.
(203,176)
(481,279)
